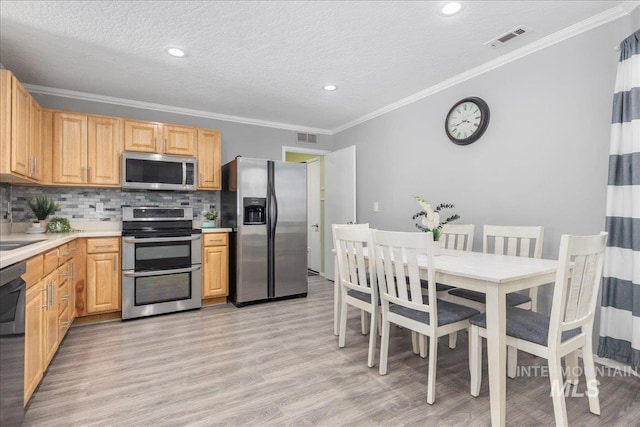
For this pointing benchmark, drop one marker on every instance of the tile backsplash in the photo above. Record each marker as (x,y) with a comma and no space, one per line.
(79,204)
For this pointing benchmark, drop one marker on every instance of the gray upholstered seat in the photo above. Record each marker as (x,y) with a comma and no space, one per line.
(362,296)
(526,325)
(513,298)
(424,284)
(448,312)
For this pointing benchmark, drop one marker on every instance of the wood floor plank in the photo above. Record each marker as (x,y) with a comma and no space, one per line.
(279,364)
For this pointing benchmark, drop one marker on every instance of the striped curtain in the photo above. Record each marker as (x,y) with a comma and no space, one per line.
(620,315)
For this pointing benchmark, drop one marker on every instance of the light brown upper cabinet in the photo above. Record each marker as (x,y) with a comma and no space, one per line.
(86,149)
(152,137)
(20,131)
(209,158)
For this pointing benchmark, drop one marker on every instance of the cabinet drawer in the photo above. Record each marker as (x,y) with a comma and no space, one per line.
(63,254)
(50,261)
(73,247)
(35,270)
(96,246)
(215,239)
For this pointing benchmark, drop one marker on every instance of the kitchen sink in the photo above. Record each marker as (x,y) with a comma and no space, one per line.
(8,245)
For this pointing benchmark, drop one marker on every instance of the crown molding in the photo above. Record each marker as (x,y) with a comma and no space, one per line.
(616,12)
(84,96)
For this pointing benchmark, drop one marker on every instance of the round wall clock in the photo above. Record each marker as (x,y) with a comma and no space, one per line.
(467,120)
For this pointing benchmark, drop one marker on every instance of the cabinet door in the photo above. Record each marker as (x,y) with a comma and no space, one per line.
(5,118)
(141,136)
(33,338)
(35,147)
(20,128)
(103,282)
(214,272)
(209,157)
(46,146)
(50,317)
(69,148)
(104,145)
(179,140)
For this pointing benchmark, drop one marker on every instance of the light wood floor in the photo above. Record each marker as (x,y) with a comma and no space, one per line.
(279,364)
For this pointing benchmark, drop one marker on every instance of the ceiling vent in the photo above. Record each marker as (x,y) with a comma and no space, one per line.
(307,138)
(508,36)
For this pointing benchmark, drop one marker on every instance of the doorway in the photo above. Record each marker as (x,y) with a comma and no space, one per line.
(315,202)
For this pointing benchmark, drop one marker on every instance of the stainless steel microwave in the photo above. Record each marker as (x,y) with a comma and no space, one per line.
(158,172)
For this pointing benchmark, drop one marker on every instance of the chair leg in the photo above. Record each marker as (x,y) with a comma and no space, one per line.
(364,322)
(590,375)
(557,390)
(453,339)
(414,342)
(343,323)
(422,340)
(431,378)
(384,347)
(373,337)
(571,364)
(475,360)
(512,361)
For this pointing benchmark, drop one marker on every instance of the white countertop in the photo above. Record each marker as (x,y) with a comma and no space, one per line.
(50,241)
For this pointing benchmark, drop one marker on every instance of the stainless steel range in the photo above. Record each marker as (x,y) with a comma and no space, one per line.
(161,254)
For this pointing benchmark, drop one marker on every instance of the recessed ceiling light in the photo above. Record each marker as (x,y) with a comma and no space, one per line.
(451,8)
(176,51)
(330,88)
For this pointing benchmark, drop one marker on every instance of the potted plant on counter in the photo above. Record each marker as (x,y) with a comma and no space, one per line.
(210,217)
(42,207)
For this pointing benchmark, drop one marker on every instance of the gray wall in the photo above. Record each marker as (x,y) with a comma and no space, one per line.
(237,139)
(542,161)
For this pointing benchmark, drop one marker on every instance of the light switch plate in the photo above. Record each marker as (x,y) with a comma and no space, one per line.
(376,207)
(99,207)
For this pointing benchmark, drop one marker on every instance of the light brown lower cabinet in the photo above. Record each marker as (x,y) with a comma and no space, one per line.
(103,275)
(215,265)
(34,338)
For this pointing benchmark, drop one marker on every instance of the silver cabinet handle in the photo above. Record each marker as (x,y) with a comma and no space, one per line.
(73,249)
(160,272)
(161,239)
(84,174)
(165,145)
(102,246)
(89,173)
(35,165)
(155,143)
(73,273)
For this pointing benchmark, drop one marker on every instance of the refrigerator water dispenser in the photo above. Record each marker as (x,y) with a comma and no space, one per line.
(255,210)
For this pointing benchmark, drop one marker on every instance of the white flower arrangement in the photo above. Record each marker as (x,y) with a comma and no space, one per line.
(431,217)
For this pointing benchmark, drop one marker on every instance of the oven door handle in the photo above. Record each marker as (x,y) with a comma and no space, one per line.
(160,239)
(160,272)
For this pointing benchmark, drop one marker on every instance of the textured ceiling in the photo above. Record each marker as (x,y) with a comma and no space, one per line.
(266,60)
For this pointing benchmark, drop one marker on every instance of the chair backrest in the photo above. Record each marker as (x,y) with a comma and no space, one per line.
(356,226)
(398,271)
(458,236)
(513,240)
(356,272)
(580,267)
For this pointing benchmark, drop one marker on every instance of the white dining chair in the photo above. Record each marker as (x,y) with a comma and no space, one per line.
(507,240)
(524,241)
(358,286)
(402,301)
(336,282)
(568,329)
(458,237)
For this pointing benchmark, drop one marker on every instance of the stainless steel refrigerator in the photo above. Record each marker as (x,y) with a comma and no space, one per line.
(265,202)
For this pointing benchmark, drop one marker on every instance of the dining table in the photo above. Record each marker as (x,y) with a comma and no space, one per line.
(496,276)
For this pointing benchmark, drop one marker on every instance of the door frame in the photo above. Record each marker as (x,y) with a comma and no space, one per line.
(318,153)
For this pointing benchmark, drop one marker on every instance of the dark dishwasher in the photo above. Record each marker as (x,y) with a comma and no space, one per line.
(12,313)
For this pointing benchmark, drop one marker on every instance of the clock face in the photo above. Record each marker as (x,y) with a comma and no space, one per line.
(467,120)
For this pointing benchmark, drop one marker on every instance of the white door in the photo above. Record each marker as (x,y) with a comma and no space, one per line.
(313,214)
(339,197)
